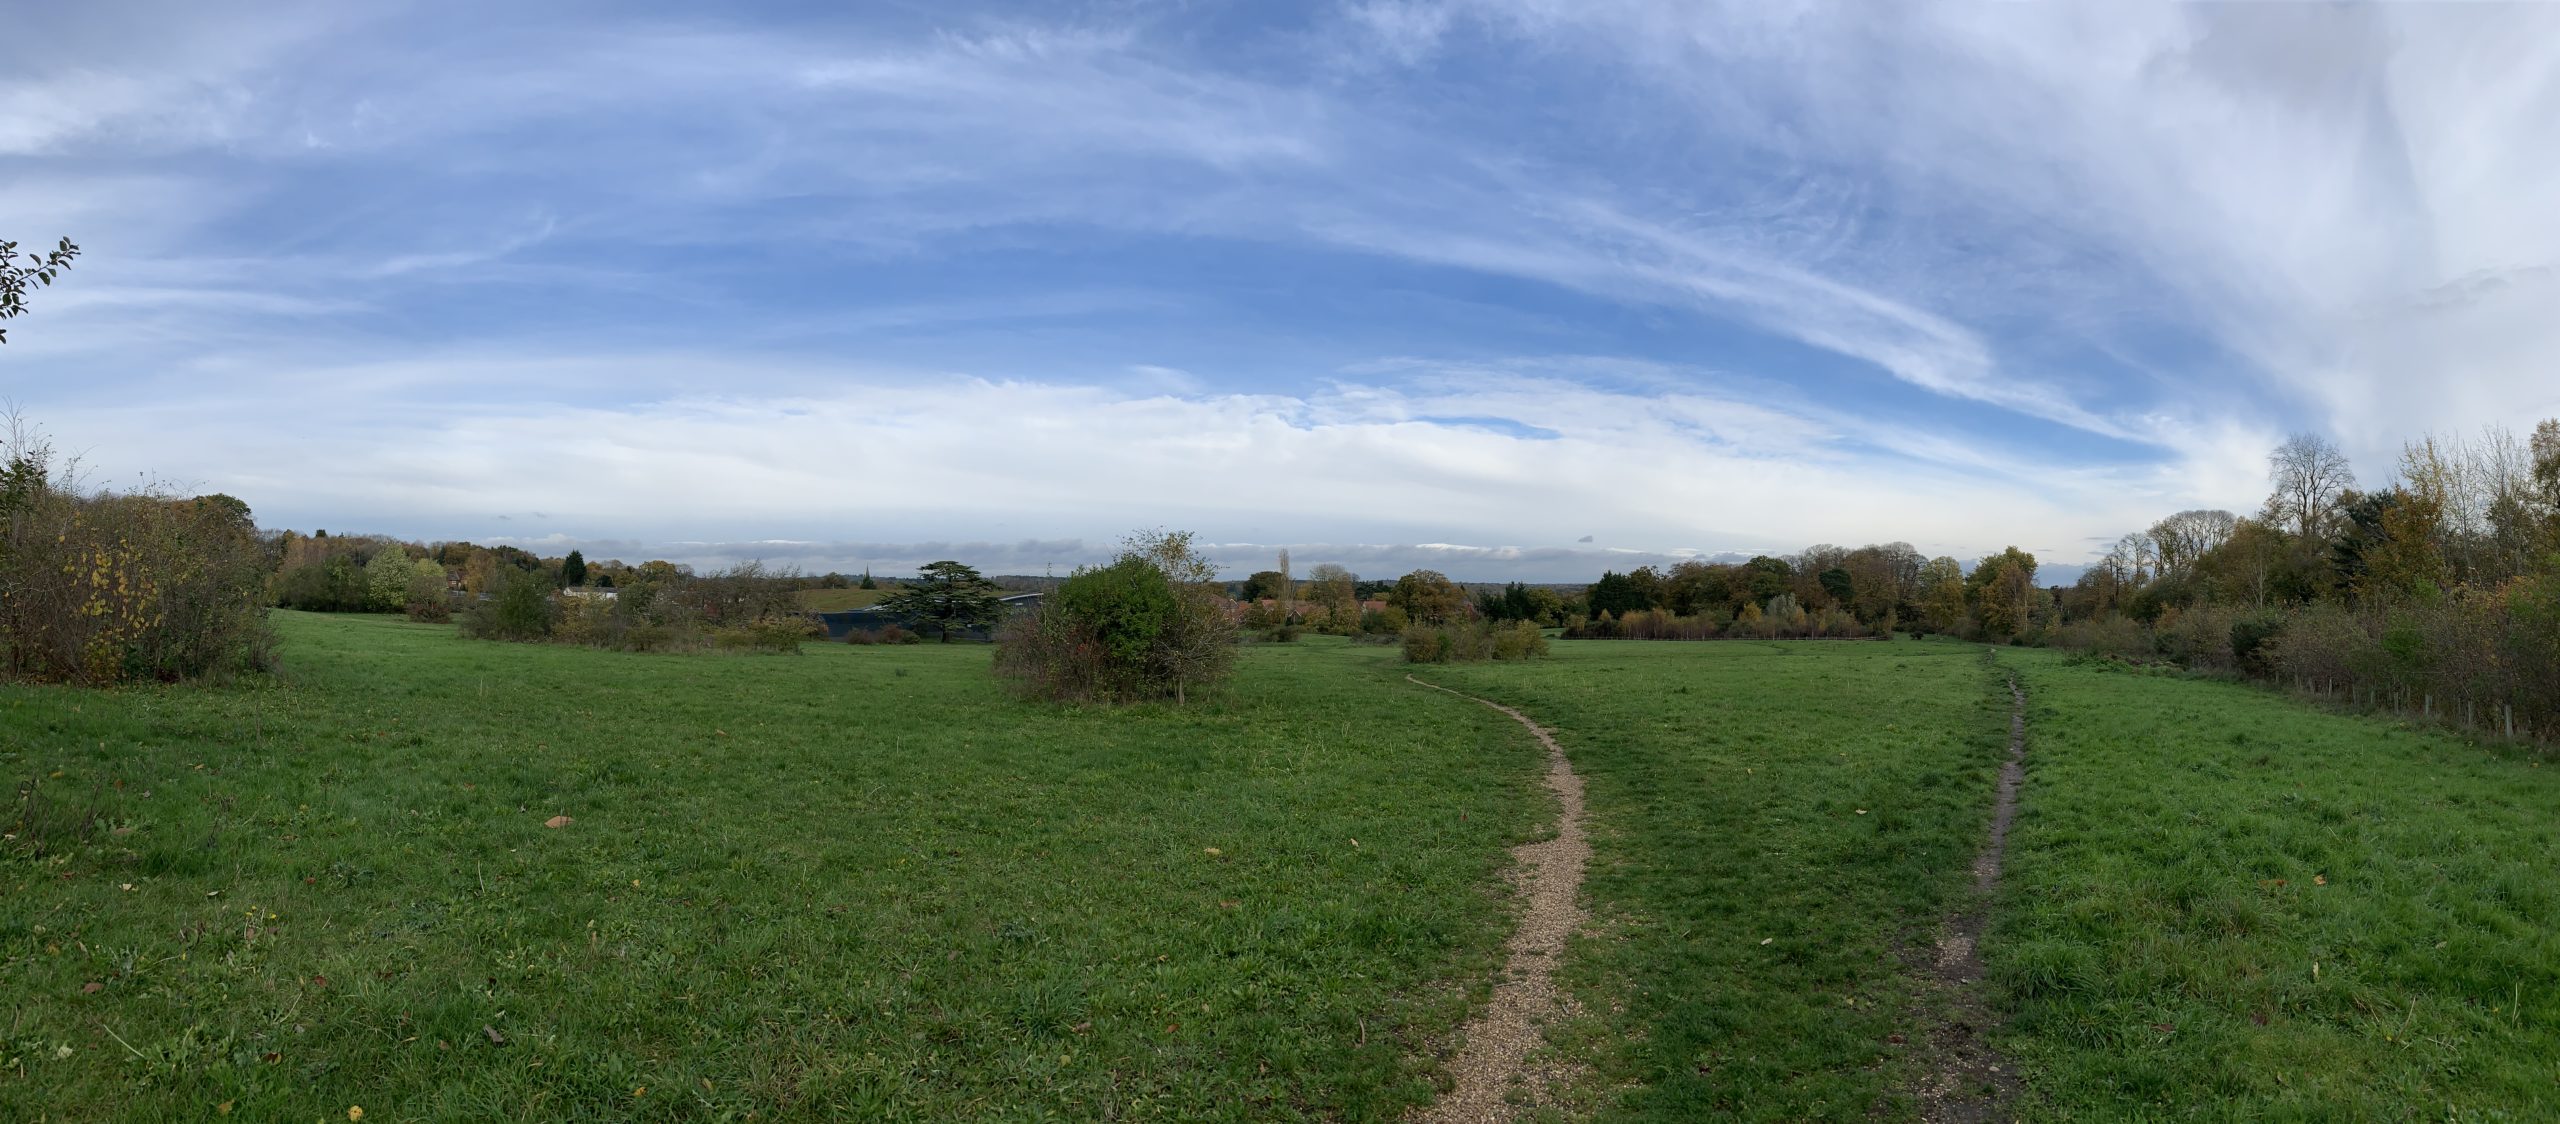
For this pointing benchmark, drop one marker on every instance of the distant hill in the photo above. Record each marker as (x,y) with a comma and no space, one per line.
(839,600)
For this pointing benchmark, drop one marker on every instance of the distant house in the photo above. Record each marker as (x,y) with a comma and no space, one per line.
(591,593)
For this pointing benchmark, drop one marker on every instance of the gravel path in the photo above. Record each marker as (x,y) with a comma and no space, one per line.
(1494,1062)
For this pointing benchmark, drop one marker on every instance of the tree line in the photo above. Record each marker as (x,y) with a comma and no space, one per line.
(2435,593)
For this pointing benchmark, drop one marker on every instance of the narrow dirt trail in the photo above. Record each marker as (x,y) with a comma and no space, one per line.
(1500,1038)
(1966,1081)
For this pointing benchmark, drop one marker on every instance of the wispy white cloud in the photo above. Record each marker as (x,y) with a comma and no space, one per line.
(1958,274)
(1049,461)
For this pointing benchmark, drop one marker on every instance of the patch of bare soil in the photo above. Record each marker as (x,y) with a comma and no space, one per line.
(1963,1080)
(1495,1078)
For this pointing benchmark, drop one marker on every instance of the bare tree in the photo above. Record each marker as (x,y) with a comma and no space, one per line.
(2308,472)
(2179,540)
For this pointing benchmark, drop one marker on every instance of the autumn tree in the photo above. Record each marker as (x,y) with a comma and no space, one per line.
(2003,604)
(1999,589)
(1764,577)
(1333,588)
(946,595)
(1428,597)
(386,580)
(1942,595)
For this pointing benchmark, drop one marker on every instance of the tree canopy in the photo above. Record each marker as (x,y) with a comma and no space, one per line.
(947,595)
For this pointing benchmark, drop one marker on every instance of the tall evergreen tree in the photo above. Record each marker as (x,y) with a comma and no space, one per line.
(947,595)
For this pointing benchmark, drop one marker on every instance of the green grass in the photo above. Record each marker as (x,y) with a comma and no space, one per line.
(1773,825)
(859,883)
(864,883)
(839,600)
(2224,904)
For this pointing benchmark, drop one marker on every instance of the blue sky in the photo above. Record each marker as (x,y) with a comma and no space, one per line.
(1512,288)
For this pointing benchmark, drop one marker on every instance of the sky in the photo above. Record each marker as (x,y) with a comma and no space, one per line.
(1505,288)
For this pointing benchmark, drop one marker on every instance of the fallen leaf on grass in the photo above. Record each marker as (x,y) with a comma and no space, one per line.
(1862,811)
(1212,851)
(224,1108)
(495,1038)
(92,988)
(1081,1027)
(558,821)
(355,1112)
(1896,1039)
(2319,879)
(1766,940)
(1171,1027)
(2165,1028)
(1229,904)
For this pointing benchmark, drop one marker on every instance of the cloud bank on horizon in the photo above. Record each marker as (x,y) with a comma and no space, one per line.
(1521,286)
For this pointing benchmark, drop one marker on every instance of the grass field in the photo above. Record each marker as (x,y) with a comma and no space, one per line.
(862,882)
(2223,904)
(1774,824)
(858,883)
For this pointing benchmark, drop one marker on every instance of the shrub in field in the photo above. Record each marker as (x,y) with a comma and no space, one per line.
(2251,635)
(425,597)
(739,595)
(2197,637)
(520,608)
(772,635)
(1473,642)
(105,587)
(2117,637)
(1152,623)
(890,634)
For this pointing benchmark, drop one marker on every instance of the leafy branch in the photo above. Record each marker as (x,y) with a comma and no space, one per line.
(17,277)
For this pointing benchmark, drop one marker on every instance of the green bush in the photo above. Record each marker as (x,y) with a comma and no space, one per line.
(521,608)
(1150,624)
(1473,642)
